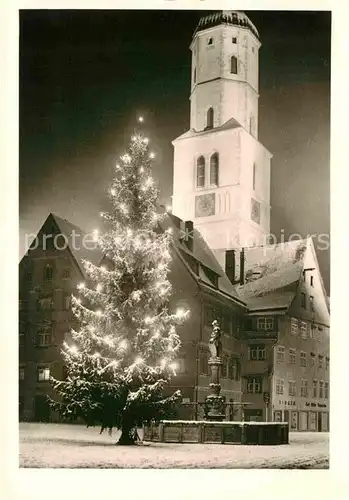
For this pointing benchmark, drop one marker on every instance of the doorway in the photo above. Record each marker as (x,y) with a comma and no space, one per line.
(42,409)
(319,422)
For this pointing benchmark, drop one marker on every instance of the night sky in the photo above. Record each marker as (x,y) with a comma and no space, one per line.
(85,76)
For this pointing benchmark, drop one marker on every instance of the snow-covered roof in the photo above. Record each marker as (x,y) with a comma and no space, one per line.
(270,269)
(230,17)
(202,254)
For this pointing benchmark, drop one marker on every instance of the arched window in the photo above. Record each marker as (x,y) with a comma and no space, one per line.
(214,169)
(48,273)
(210,41)
(209,120)
(200,172)
(233,65)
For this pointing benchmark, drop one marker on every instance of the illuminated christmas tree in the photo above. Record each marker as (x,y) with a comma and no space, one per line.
(122,357)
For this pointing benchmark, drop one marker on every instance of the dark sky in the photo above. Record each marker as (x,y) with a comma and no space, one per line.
(85,76)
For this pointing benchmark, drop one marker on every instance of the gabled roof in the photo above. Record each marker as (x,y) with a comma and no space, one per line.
(272,274)
(202,254)
(228,125)
(74,237)
(79,251)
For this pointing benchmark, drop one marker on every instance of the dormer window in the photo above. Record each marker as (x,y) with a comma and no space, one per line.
(200,172)
(233,65)
(209,120)
(210,41)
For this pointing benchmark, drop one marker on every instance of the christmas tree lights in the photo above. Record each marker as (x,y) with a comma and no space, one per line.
(122,356)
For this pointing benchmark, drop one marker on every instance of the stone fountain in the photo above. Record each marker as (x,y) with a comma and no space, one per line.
(214,429)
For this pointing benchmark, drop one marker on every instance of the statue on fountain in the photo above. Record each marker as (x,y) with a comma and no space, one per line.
(215,343)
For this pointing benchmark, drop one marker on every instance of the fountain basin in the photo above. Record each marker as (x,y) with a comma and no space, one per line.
(193,431)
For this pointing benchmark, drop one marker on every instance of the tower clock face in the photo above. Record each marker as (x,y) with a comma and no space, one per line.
(205,205)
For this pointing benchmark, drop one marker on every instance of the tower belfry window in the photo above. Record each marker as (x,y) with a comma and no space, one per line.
(234,39)
(210,41)
(200,172)
(194,76)
(214,169)
(254,177)
(209,121)
(233,65)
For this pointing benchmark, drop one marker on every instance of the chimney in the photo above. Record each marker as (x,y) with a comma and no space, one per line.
(242,266)
(230,265)
(189,235)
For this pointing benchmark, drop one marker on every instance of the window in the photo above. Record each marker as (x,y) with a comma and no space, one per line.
(203,362)
(21,373)
(291,388)
(280,354)
(29,277)
(315,389)
(254,384)
(294,326)
(44,338)
(233,65)
(214,169)
(303,359)
(234,368)
(304,388)
(321,389)
(209,118)
(321,361)
(254,177)
(180,365)
(303,301)
(234,39)
(224,372)
(46,303)
(312,331)
(303,329)
(292,356)
(327,363)
(279,386)
(257,352)
(66,274)
(265,324)
(210,41)
(312,359)
(252,50)
(200,172)
(311,299)
(326,390)
(43,373)
(226,324)
(194,76)
(66,304)
(21,339)
(48,273)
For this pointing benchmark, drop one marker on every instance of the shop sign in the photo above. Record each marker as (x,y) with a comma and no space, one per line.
(287,403)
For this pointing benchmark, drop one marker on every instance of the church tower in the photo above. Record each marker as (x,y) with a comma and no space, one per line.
(221,172)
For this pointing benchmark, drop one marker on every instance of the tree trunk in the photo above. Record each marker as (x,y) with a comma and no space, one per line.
(128,436)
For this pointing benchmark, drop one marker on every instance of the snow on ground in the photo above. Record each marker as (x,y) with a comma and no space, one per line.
(75,446)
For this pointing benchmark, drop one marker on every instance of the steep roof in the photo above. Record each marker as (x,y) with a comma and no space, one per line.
(78,249)
(272,274)
(202,254)
(228,125)
(74,236)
